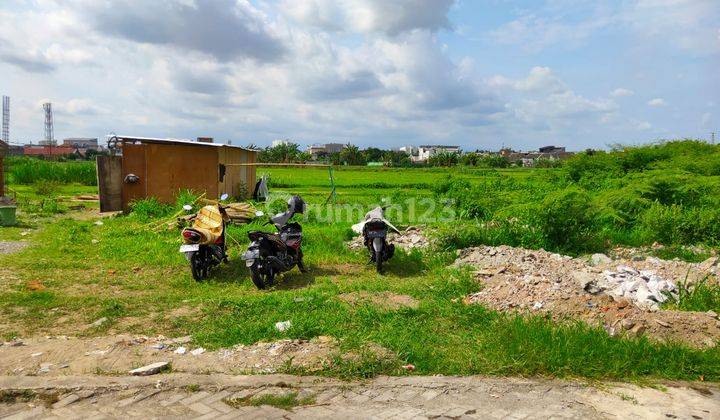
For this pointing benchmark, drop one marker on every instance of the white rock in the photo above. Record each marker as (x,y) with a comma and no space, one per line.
(99,223)
(283,326)
(180,350)
(99,322)
(198,351)
(537,306)
(598,259)
(36,354)
(150,369)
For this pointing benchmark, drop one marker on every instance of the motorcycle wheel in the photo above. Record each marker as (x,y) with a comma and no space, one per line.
(261,279)
(378,262)
(197,267)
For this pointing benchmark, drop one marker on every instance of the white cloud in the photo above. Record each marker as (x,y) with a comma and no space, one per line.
(621,92)
(657,102)
(370,16)
(705,119)
(644,125)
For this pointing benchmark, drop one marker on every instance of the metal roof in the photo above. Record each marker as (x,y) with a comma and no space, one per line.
(179,141)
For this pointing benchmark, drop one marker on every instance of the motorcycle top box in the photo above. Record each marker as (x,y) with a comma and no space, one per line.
(204,242)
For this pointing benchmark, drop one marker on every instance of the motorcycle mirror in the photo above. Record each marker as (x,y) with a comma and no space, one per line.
(224,197)
(259,214)
(187,207)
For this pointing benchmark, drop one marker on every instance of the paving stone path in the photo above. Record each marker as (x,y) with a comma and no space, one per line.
(178,395)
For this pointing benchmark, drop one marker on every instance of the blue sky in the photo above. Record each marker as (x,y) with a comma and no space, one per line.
(481,74)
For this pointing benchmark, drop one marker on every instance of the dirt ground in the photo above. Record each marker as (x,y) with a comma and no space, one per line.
(529,281)
(62,356)
(385,300)
(10,247)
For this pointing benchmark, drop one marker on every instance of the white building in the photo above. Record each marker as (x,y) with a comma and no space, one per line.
(425,152)
(280,142)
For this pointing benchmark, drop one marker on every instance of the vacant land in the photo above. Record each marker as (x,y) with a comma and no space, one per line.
(79,269)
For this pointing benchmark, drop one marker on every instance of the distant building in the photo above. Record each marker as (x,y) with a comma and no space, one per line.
(3,150)
(551,149)
(426,152)
(529,159)
(85,143)
(320,150)
(48,150)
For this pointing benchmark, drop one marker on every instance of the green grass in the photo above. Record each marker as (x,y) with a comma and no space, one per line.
(701,296)
(26,170)
(284,402)
(123,270)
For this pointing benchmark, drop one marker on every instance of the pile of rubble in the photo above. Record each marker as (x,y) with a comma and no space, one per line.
(621,295)
(644,288)
(411,238)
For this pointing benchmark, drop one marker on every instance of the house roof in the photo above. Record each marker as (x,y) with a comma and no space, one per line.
(180,141)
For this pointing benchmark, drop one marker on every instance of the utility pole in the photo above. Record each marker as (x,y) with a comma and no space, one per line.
(712,138)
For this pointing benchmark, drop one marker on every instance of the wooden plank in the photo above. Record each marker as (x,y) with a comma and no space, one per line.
(110,181)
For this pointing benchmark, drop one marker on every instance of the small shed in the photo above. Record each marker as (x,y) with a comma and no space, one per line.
(151,167)
(3,150)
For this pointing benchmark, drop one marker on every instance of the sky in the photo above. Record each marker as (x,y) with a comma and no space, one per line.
(479,74)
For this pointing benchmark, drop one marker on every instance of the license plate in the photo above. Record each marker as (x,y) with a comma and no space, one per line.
(376,234)
(189,248)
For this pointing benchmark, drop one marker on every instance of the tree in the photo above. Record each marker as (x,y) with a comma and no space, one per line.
(373,154)
(352,156)
(444,159)
(282,153)
(470,159)
(396,158)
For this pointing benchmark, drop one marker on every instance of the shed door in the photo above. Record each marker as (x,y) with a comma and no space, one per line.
(109,174)
(133,162)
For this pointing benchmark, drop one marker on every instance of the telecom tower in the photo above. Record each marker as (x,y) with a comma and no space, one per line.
(6,119)
(49,134)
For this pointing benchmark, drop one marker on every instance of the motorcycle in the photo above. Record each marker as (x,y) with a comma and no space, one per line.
(272,253)
(374,230)
(204,242)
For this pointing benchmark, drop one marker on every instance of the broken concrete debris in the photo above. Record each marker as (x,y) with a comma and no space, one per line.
(621,296)
(150,369)
(600,259)
(643,287)
(198,351)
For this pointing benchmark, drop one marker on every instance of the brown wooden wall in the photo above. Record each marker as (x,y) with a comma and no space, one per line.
(175,167)
(165,169)
(133,162)
(235,176)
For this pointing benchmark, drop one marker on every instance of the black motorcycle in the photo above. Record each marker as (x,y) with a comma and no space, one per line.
(375,230)
(272,253)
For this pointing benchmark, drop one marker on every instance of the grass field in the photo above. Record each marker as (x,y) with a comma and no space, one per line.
(78,271)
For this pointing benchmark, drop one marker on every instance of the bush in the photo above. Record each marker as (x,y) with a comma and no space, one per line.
(25,170)
(568,219)
(150,208)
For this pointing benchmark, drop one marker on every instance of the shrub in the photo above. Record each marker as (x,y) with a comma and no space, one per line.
(568,219)
(150,208)
(25,170)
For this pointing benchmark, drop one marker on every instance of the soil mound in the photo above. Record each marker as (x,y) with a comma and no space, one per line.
(587,289)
